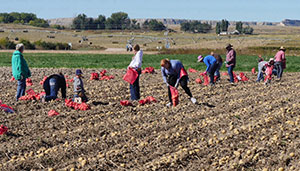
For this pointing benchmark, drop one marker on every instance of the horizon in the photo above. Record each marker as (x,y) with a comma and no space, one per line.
(237,10)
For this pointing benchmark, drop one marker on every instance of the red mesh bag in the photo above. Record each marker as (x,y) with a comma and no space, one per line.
(52,113)
(29,82)
(175,95)
(243,77)
(44,79)
(198,80)
(12,79)
(253,70)
(130,76)
(125,103)
(224,73)
(192,70)
(148,70)
(147,100)
(103,72)
(206,81)
(94,76)
(183,72)
(3,129)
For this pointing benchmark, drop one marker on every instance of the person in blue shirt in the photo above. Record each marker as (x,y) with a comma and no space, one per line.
(212,65)
(170,70)
(51,86)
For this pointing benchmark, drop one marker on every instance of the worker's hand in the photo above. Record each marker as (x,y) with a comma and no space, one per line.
(205,72)
(225,62)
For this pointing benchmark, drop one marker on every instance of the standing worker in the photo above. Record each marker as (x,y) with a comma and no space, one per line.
(212,65)
(230,61)
(20,70)
(51,86)
(136,64)
(170,70)
(78,86)
(280,62)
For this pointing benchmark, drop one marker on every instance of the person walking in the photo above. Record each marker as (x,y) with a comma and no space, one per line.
(280,61)
(212,65)
(78,86)
(51,86)
(230,61)
(170,70)
(20,70)
(136,64)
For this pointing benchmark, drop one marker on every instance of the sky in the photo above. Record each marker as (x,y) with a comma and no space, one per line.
(232,10)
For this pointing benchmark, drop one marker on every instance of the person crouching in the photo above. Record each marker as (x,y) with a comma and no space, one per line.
(170,70)
(51,86)
(78,86)
(269,70)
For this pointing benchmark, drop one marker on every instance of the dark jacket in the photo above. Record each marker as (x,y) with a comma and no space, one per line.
(61,82)
(218,58)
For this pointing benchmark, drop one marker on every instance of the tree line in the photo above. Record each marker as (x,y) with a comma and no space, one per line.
(223,25)
(23,18)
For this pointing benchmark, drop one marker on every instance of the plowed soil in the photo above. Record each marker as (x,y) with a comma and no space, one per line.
(246,126)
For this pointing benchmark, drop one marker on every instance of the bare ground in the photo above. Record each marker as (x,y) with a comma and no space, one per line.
(244,127)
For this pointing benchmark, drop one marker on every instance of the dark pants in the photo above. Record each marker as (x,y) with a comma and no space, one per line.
(212,70)
(183,83)
(217,72)
(279,68)
(230,73)
(135,88)
(81,95)
(53,90)
(21,88)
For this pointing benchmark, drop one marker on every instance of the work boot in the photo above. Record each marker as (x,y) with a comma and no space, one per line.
(193,100)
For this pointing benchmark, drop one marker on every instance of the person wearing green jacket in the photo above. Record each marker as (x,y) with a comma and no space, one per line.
(20,70)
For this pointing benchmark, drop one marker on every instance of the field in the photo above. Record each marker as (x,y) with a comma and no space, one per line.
(244,127)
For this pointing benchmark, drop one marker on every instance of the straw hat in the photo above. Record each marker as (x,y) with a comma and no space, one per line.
(228,45)
(282,48)
(271,59)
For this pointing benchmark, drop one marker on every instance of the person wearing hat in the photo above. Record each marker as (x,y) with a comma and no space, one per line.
(212,65)
(51,86)
(136,64)
(170,71)
(269,70)
(280,61)
(78,86)
(230,61)
(20,70)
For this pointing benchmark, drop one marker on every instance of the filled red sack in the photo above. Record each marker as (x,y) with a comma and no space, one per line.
(29,82)
(125,103)
(235,77)
(243,77)
(253,70)
(192,70)
(183,72)
(198,80)
(12,79)
(70,80)
(175,95)
(151,99)
(94,76)
(148,70)
(83,106)
(30,92)
(103,72)
(44,79)
(147,100)
(52,113)
(130,76)
(107,77)
(224,73)
(3,129)
(206,81)
(6,108)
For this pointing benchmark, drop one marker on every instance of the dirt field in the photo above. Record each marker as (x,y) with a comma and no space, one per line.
(244,127)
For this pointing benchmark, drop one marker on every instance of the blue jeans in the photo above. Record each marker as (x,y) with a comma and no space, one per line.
(212,71)
(230,73)
(278,66)
(260,75)
(53,90)
(135,88)
(217,73)
(21,88)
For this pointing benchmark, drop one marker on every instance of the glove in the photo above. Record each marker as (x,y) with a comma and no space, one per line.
(205,72)
(167,85)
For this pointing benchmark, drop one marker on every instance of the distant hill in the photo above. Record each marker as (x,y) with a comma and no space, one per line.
(68,22)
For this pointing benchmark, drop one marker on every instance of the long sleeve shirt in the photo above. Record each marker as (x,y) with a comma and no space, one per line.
(78,85)
(19,66)
(209,60)
(174,69)
(137,60)
(280,56)
(230,58)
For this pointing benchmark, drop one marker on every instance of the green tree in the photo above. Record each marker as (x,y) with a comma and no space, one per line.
(239,26)
(119,21)
(100,22)
(224,25)
(80,22)
(218,28)
(156,26)
(248,30)
(186,26)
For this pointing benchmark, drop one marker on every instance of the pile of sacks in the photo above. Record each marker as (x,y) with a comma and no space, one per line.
(95,76)
(77,106)
(31,95)
(147,100)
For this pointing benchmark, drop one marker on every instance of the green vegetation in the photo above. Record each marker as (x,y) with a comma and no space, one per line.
(48,60)
(222,26)
(5,43)
(195,27)
(23,18)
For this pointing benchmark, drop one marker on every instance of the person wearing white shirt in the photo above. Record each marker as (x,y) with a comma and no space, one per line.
(136,63)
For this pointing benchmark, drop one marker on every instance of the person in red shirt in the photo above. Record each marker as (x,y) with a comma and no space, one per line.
(280,62)
(230,61)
